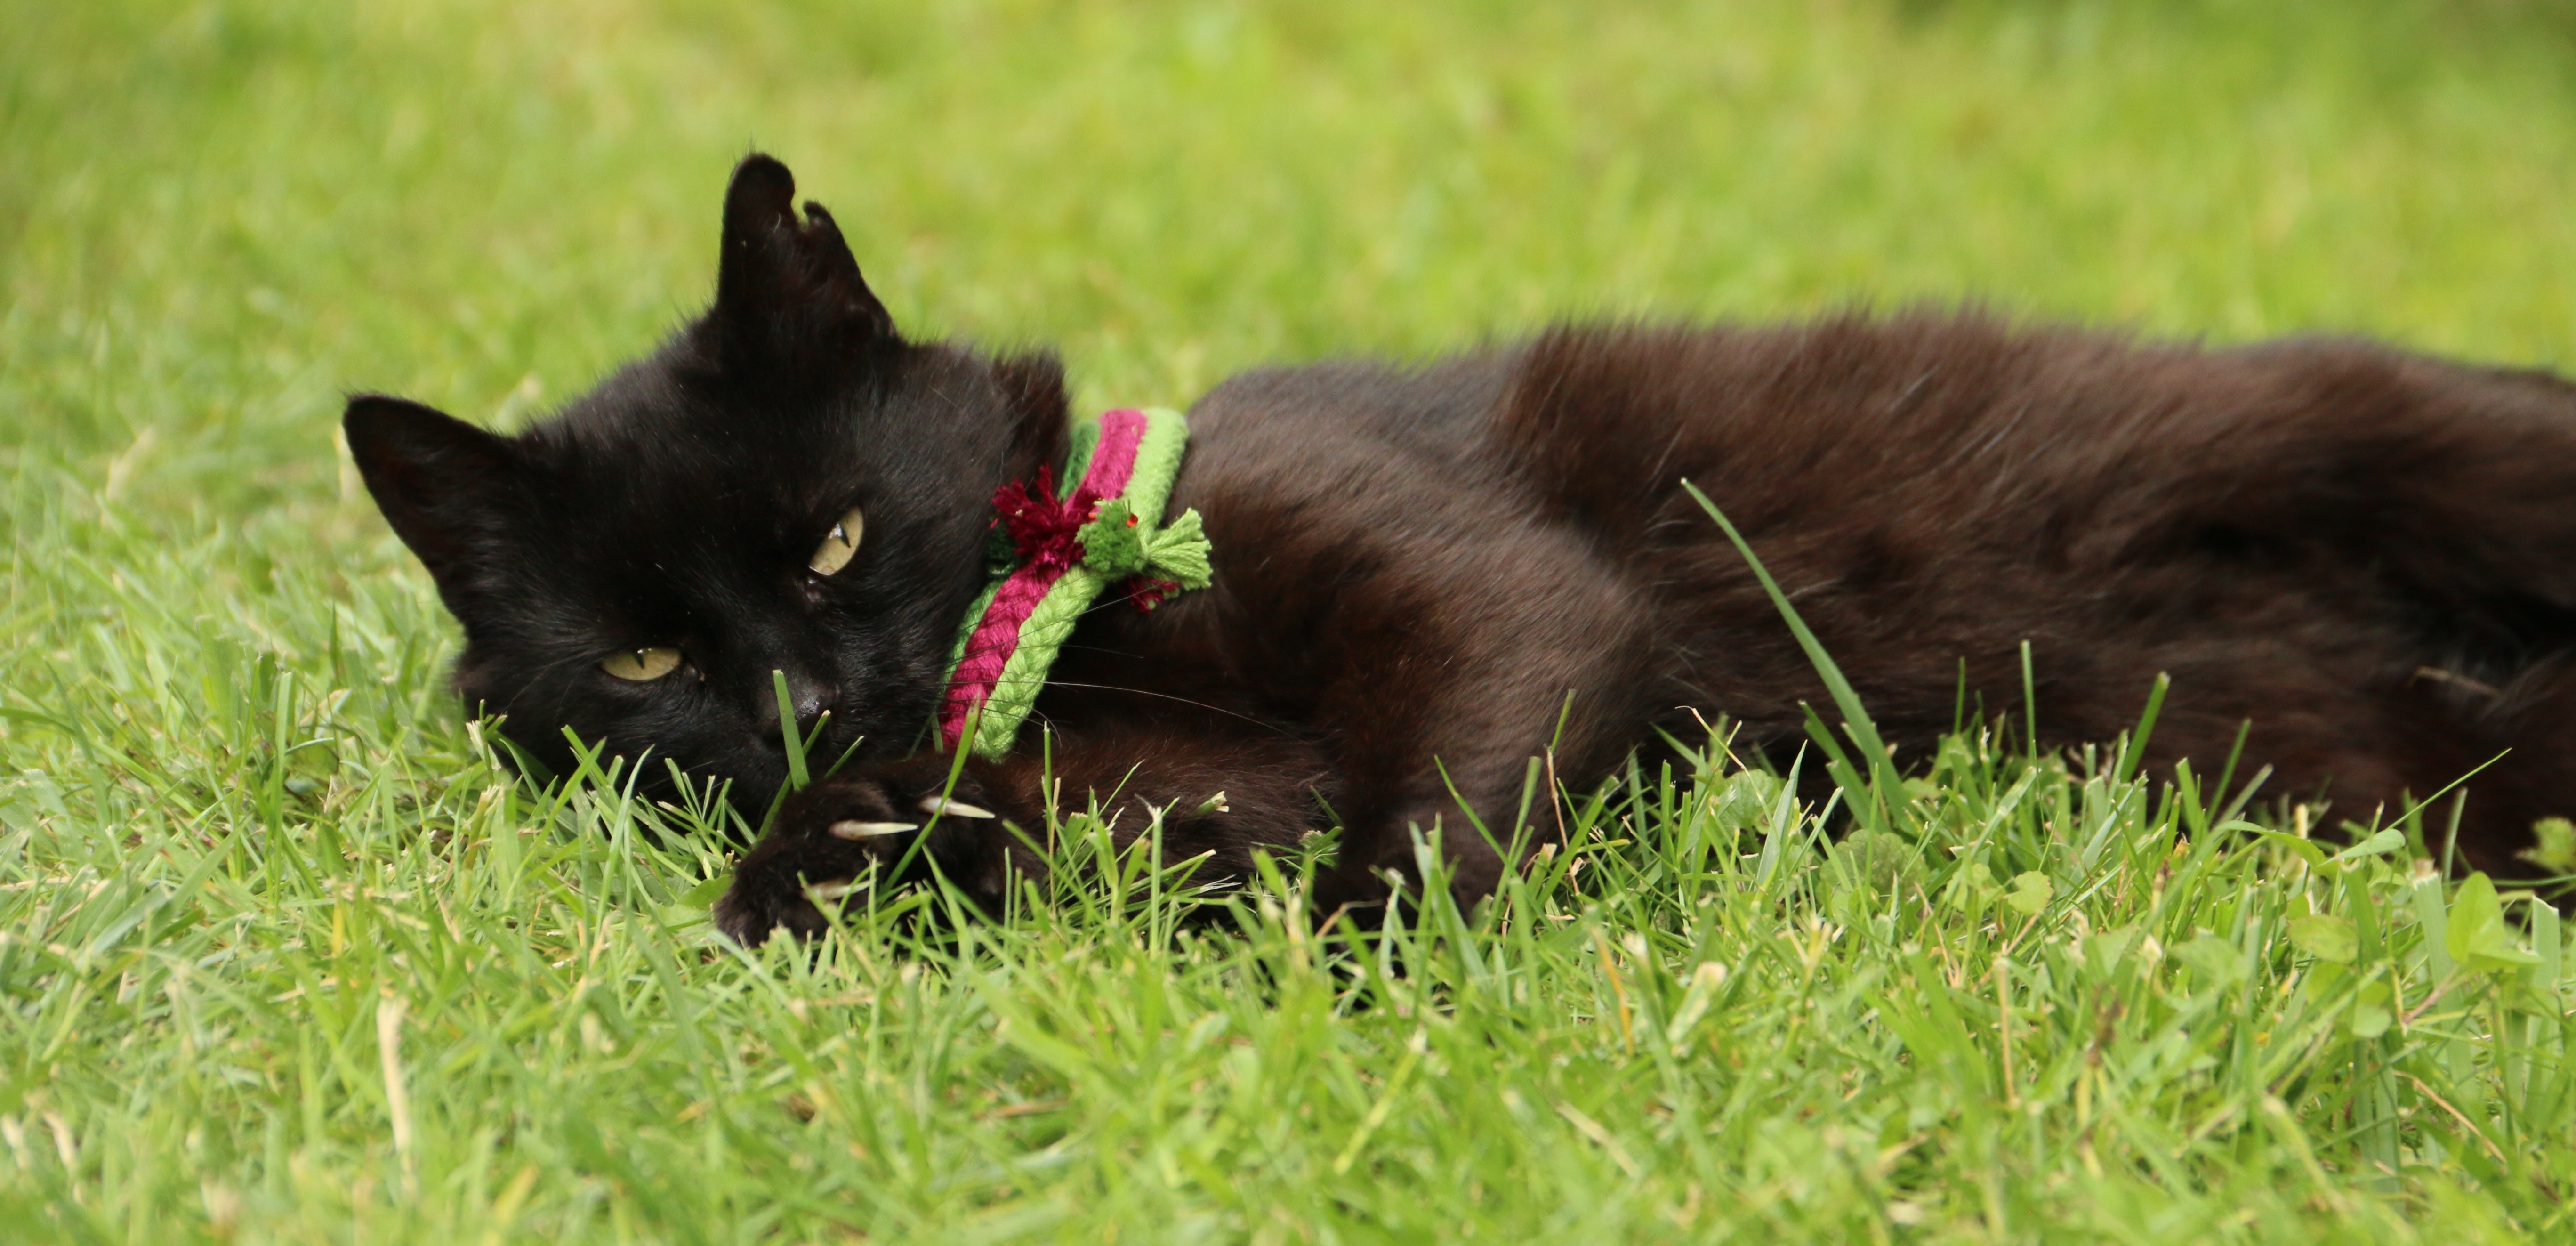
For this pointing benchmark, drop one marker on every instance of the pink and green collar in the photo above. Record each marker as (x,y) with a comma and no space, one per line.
(1104,533)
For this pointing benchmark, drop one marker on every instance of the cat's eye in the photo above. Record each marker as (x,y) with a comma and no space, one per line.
(837,547)
(641,665)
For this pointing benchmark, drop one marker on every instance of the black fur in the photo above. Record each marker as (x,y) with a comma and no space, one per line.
(2370,555)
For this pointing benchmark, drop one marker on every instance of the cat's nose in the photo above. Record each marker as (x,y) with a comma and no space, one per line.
(808,695)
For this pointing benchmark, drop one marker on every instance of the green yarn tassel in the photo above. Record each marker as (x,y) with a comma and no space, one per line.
(1178,552)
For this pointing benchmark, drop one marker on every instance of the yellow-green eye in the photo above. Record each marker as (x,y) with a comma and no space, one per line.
(643,664)
(837,547)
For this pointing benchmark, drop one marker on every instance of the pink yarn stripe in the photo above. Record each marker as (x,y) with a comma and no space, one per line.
(997,635)
(1113,457)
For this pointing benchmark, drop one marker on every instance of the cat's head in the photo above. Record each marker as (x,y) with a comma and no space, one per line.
(787,485)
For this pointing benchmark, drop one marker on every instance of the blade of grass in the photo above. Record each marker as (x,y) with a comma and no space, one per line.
(1886,789)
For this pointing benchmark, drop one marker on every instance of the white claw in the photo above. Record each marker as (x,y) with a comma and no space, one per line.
(869,830)
(942,807)
(835,890)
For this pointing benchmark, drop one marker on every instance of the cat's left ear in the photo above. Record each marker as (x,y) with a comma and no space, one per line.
(787,286)
(451,491)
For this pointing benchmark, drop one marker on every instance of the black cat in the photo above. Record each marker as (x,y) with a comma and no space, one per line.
(1425,576)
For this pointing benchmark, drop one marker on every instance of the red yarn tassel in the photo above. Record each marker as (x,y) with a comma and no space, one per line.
(1047,532)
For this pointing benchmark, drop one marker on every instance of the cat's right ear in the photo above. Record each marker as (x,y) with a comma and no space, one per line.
(788,292)
(447,487)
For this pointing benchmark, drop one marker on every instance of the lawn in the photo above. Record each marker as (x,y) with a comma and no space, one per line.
(285,958)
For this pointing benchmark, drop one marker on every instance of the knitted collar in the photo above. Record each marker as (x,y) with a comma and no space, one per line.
(1053,556)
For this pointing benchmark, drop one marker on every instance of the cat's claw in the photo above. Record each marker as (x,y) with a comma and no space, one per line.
(941,806)
(854,829)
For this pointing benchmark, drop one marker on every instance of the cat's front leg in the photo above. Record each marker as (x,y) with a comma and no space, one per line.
(894,819)
(1214,798)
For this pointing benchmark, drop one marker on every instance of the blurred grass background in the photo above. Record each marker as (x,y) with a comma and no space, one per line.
(218,218)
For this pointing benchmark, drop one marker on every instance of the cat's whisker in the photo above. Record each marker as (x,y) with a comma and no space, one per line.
(1214,709)
(1066,683)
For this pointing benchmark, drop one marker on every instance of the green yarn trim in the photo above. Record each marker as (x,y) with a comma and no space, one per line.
(1114,552)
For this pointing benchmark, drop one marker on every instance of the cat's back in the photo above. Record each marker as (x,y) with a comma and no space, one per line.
(1593,427)
(1589,414)
(1954,421)
(1306,474)
(1966,425)
(1342,414)
(1932,432)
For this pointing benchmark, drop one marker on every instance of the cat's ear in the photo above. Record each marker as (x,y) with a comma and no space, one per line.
(448,488)
(784,283)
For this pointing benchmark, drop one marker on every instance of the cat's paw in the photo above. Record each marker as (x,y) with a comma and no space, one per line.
(840,834)
(827,838)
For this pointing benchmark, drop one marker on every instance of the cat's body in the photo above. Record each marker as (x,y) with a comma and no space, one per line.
(1427,576)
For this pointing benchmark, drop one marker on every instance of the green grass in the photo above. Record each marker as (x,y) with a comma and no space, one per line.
(284,958)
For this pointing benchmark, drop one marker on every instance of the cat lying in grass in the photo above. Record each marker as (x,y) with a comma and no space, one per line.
(1417,578)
